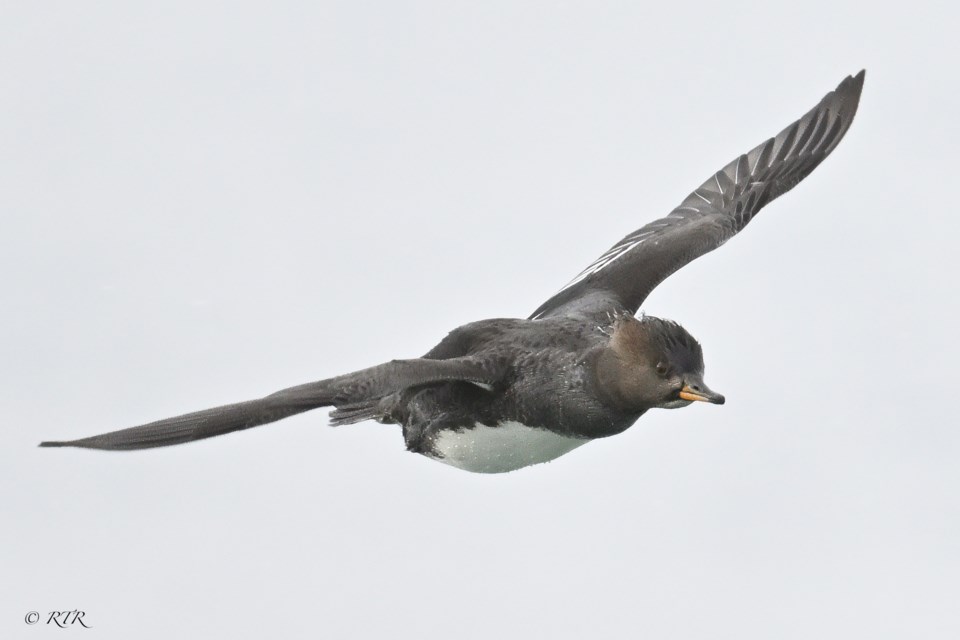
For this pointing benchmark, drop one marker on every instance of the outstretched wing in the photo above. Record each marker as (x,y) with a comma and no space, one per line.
(349,389)
(622,278)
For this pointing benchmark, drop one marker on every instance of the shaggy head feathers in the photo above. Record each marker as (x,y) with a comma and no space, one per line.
(656,341)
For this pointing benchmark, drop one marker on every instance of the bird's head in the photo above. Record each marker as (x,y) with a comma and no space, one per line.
(649,362)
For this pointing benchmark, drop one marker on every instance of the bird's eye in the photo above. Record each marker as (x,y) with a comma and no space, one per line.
(662,370)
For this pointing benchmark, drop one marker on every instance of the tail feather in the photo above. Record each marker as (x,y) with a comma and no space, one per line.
(355,412)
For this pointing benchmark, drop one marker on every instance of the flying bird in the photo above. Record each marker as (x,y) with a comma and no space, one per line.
(500,394)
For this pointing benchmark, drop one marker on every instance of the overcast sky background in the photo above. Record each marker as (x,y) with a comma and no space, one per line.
(202,203)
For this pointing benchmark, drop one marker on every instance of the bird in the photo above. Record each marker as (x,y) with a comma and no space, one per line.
(501,394)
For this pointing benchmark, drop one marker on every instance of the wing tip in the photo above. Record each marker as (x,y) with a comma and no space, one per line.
(854,80)
(849,90)
(83,443)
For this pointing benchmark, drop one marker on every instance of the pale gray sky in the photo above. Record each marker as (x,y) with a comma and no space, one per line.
(205,202)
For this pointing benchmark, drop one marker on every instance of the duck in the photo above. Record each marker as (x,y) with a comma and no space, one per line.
(502,394)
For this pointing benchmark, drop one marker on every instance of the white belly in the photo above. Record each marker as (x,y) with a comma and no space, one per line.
(509,446)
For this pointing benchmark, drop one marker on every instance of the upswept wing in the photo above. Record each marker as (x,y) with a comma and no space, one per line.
(621,279)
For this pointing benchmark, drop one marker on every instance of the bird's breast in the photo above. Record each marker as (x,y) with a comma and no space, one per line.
(497,449)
